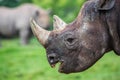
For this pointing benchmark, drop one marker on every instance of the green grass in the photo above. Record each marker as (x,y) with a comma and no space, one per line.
(29,62)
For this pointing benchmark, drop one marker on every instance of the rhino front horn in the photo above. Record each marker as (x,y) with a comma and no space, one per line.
(41,34)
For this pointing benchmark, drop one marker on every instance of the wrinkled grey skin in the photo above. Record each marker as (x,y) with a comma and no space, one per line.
(78,46)
(17,20)
(88,38)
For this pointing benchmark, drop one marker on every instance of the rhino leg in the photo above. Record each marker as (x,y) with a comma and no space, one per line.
(24,36)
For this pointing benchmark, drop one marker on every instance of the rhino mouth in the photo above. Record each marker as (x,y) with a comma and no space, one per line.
(61,64)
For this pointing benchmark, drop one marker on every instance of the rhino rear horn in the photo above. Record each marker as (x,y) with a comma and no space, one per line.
(58,23)
(41,34)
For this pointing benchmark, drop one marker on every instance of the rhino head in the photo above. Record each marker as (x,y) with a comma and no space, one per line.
(77,45)
(42,18)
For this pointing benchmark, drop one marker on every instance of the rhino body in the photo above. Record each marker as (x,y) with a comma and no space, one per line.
(80,44)
(16,21)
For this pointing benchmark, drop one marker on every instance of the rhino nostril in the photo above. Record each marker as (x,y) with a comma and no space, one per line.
(52,58)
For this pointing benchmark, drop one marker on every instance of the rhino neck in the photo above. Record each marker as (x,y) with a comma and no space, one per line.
(118,12)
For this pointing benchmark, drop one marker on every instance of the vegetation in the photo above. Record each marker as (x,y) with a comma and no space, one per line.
(66,9)
(13,3)
(29,62)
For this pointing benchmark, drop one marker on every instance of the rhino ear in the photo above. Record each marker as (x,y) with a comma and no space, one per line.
(37,13)
(105,4)
(58,23)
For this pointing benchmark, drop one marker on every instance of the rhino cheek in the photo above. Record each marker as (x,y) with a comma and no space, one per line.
(87,58)
(69,66)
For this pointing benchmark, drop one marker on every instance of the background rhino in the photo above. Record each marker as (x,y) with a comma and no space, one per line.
(16,20)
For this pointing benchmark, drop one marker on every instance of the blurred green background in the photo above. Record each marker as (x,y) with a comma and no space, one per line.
(66,9)
(29,62)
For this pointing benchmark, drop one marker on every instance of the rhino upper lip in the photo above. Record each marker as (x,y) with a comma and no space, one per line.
(59,61)
(53,65)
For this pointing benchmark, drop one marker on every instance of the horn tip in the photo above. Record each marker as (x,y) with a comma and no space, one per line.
(32,21)
(55,16)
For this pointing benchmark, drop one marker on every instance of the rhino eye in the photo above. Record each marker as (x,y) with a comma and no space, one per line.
(70,40)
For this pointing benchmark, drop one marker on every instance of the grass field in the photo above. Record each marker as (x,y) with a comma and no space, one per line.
(29,62)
